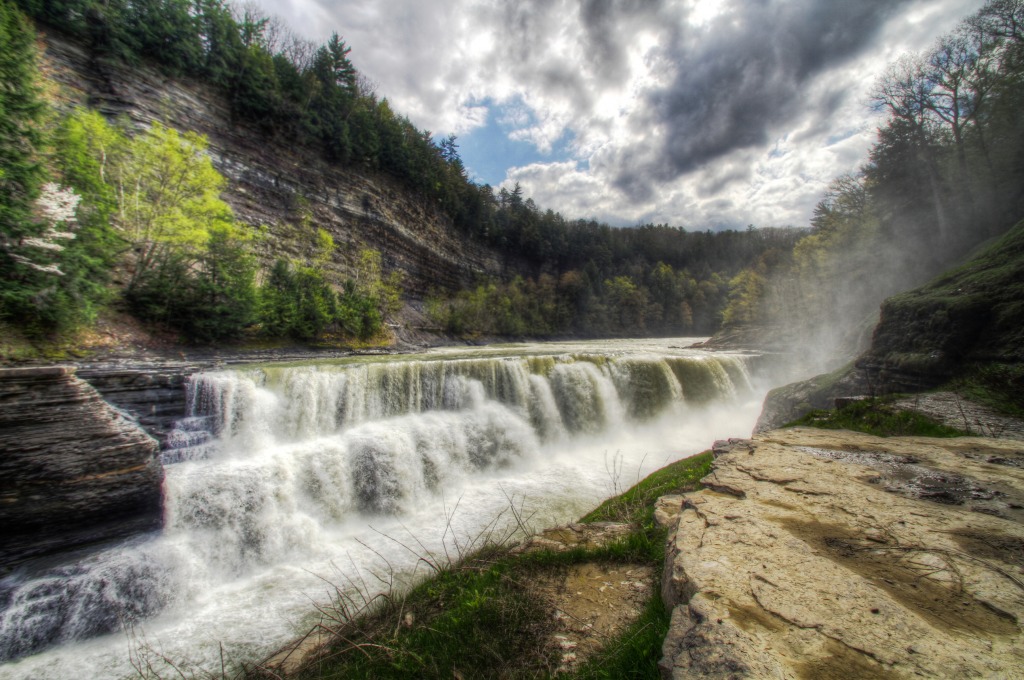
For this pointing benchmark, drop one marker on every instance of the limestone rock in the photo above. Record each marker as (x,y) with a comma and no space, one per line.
(667,509)
(818,553)
(73,471)
(562,539)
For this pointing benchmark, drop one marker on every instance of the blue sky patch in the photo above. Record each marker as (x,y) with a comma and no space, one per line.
(488,153)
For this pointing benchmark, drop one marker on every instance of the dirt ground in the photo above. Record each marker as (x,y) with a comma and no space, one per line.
(593,603)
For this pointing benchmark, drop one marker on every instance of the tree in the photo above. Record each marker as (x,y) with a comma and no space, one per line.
(21,135)
(168,196)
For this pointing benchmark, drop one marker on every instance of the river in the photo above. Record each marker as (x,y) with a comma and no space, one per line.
(286,481)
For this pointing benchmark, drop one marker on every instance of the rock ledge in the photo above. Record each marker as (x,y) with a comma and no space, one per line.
(825,554)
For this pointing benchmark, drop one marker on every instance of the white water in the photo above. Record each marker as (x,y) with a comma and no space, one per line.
(311,468)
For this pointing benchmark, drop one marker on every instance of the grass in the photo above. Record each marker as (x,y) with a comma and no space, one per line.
(482,616)
(999,386)
(683,475)
(877,417)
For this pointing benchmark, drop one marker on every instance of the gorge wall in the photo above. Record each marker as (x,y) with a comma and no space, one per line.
(74,471)
(273,183)
(965,320)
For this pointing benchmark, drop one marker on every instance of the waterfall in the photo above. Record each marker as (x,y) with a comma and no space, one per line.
(271,464)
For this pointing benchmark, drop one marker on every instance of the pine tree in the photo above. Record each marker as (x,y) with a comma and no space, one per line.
(21,170)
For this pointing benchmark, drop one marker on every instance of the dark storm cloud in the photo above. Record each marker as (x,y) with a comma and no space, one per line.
(740,77)
(605,29)
(605,24)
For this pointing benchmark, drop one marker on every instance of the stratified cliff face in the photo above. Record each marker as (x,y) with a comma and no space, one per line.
(272,182)
(73,471)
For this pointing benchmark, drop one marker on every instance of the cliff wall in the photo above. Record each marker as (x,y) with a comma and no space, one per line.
(966,320)
(73,471)
(272,183)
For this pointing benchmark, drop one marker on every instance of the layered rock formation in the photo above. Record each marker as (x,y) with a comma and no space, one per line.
(73,471)
(824,554)
(275,185)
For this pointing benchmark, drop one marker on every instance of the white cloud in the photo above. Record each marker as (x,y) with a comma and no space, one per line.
(680,111)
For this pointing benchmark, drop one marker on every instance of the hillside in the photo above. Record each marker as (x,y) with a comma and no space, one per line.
(961,330)
(310,210)
(276,185)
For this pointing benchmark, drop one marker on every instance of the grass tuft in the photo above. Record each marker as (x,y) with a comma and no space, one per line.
(878,417)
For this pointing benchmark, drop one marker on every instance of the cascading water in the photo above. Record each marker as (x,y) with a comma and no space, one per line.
(279,475)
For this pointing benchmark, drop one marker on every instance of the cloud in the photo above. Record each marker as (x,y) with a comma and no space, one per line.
(701,113)
(738,80)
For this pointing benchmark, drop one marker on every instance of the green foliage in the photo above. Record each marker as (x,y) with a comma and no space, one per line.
(168,195)
(637,503)
(877,417)
(296,302)
(671,303)
(209,298)
(22,286)
(476,621)
(21,114)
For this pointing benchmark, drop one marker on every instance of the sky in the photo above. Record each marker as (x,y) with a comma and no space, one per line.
(704,114)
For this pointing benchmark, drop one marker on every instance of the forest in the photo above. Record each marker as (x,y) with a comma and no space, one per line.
(943,176)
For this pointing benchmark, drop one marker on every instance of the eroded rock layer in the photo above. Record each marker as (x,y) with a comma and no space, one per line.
(73,471)
(825,554)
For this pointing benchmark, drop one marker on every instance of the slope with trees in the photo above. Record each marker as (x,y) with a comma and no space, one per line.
(550,275)
(944,176)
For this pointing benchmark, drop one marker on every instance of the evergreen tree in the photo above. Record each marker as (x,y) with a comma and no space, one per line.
(24,274)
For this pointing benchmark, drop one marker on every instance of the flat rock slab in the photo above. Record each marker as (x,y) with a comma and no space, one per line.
(828,554)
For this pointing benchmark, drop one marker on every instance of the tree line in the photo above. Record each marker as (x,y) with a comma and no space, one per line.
(945,174)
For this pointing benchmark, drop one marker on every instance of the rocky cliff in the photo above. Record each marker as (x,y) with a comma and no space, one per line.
(964,321)
(273,183)
(824,554)
(73,471)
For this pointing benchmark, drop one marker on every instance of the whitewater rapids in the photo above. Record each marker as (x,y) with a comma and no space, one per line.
(284,481)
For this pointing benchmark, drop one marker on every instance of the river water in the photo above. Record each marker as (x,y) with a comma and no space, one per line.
(286,481)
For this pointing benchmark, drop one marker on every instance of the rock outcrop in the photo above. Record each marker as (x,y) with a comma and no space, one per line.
(73,471)
(154,394)
(965,321)
(828,554)
(288,190)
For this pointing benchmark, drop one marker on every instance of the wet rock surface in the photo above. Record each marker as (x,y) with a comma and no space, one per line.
(821,554)
(73,471)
